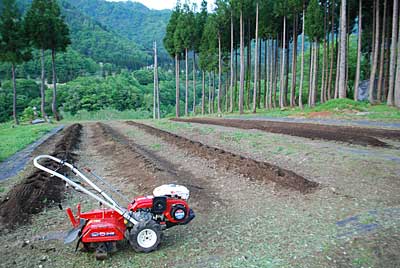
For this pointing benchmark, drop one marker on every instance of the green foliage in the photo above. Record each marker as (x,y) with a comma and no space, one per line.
(314,18)
(130,20)
(27,94)
(106,114)
(14,46)
(14,138)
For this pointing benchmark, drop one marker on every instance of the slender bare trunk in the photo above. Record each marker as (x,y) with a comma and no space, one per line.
(392,68)
(283,61)
(42,88)
(397,86)
(194,83)
(241,90)
(302,60)
(294,64)
(231,65)
(14,95)
(358,69)
(54,101)
(332,49)
(177,85)
(316,71)
(276,71)
(209,93)
(311,77)
(266,72)
(323,93)
(202,92)
(154,81)
(382,55)
(376,54)
(186,83)
(342,90)
(219,73)
(255,65)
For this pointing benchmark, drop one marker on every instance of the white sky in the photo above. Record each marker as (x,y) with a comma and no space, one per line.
(163,4)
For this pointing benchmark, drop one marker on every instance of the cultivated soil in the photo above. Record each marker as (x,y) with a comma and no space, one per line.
(261,199)
(351,135)
(39,189)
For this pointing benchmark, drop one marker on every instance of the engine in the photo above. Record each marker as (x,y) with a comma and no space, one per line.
(168,206)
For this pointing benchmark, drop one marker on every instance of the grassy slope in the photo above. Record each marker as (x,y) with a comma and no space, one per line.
(15,138)
(344,108)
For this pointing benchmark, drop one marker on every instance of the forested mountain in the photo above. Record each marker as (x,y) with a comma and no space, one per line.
(98,41)
(129,19)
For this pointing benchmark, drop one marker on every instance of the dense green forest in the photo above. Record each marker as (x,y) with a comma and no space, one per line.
(131,20)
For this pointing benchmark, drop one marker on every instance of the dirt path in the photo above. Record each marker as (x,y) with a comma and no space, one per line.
(352,135)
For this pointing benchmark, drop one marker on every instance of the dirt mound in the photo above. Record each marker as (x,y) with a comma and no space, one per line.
(39,189)
(352,135)
(245,166)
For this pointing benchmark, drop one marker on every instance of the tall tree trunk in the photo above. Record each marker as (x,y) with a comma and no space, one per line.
(316,71)
(397,86)
(14,95)
(332,50)
(177,85)
(323,89)
(154,81)
(209,93)
(202,92)
(219,73)
(255,65)
(311,77)
(336,94)
(343,55)
(248,79)
(294,64)
(231,65)
(382,55)
(213,92)
(392,68)
(194,83)
(259,73)
(283,61)
(42,87)
(266,72)
(241,90)
(376,54)
(187,83)
(54,101)
(276,71)
(302,59)
(271,70)
(358,69)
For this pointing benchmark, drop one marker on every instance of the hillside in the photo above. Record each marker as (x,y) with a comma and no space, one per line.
(97,41)
(129,19)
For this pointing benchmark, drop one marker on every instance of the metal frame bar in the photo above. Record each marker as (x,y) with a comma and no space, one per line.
(107,200)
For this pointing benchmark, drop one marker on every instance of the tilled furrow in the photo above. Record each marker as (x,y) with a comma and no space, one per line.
(40,189)
(245,166)
(352,135)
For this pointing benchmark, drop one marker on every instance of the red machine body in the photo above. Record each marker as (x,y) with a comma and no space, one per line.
(107,225)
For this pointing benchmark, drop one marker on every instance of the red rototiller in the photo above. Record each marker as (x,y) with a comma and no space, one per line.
(141,222)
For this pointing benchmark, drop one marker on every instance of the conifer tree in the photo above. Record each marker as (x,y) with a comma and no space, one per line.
(14,46)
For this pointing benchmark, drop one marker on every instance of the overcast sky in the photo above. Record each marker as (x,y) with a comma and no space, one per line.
(163,4)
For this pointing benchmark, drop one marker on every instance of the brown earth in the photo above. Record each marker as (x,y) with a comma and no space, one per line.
(145,169)
(246,166)
(352,135)
(39,189)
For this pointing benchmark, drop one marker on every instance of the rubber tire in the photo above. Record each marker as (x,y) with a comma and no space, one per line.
(140,227)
